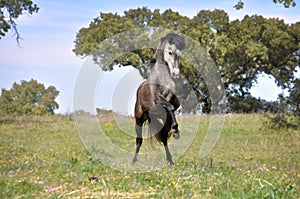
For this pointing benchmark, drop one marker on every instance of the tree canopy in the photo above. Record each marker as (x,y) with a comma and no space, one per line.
(286,3)
(28,97)
(10,10)
(241,49)
(294,99)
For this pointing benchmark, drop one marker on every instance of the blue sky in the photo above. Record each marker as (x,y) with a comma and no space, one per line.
(48,39)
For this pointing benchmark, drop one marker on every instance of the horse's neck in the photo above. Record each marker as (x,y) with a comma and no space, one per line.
(159,54)
(160,71)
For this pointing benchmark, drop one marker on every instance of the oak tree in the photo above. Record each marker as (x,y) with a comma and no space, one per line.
(28,97)
(241,49)
(10,11)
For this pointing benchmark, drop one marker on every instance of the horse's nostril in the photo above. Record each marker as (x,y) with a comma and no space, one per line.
(175,75)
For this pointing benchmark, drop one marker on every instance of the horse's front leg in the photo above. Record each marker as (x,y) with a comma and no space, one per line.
(170,109)
(175,130)
(139,141)
(168,154)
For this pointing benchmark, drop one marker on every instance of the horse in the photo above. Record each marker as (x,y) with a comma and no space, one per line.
(156,100)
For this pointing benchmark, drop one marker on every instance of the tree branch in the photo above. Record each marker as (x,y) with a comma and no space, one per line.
(15,29)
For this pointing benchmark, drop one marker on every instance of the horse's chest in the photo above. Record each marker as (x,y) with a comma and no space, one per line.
(166,87)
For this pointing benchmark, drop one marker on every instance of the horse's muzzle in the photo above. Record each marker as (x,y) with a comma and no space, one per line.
(175,76)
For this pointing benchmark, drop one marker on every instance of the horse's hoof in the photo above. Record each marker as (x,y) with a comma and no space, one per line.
(176,134)
(171,162)
(134,160)
(175,126)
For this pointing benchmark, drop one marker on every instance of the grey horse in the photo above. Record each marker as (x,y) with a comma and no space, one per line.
(156,97)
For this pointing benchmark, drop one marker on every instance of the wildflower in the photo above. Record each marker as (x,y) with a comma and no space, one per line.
(228,183)
(184,172)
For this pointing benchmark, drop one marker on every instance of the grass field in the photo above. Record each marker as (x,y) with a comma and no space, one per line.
(43,157)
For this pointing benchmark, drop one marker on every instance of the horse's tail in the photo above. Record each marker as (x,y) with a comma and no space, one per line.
(155,126)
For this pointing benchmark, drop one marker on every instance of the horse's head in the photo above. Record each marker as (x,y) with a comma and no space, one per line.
(171,57)
(169,52)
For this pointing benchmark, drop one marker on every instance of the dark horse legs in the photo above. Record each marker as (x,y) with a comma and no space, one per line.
(162,132)
(164,135)
(168,154)
(139,140)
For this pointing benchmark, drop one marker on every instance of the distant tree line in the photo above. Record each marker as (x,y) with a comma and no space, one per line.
(28,98)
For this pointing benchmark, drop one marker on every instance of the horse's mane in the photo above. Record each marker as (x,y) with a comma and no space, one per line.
(175,39)
(171,38)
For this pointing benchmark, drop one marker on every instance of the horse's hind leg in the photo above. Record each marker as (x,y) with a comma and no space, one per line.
(168,154)
(139,141)
(164,137)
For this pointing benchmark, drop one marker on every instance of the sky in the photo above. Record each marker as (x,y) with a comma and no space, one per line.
(45,51)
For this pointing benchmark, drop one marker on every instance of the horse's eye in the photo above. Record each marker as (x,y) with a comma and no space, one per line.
(170,53)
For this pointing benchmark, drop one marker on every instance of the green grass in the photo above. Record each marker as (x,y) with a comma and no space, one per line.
(43,157)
